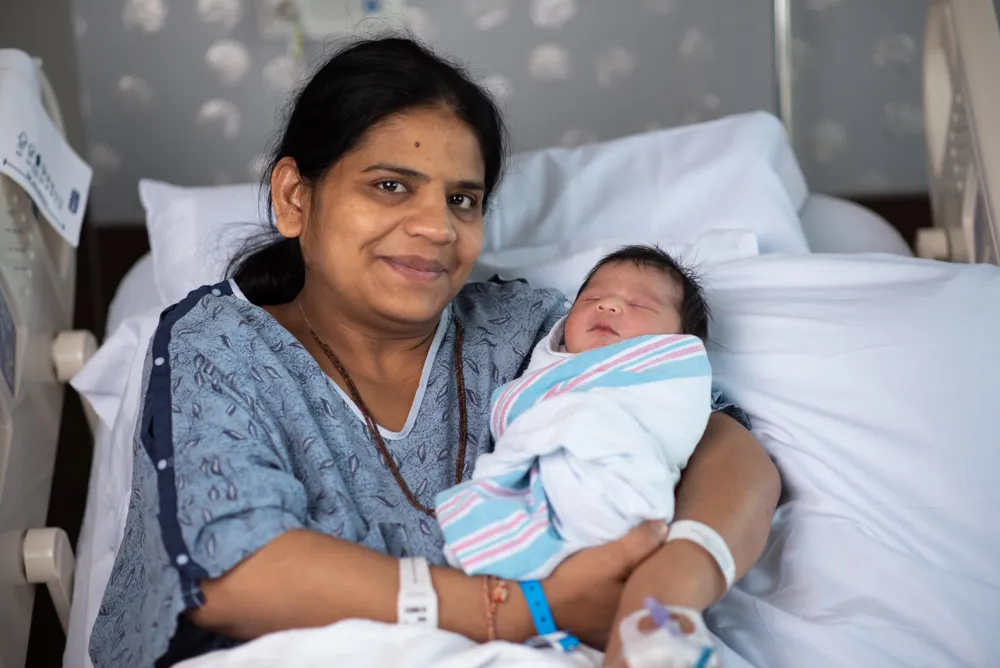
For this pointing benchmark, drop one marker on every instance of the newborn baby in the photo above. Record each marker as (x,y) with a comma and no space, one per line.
(591,440)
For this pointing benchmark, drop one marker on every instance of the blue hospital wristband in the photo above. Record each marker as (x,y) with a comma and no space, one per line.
(541,615)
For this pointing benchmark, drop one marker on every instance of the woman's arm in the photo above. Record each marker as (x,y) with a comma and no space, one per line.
(731,485)
(307,579)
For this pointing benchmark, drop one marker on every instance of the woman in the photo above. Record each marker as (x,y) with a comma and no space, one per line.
(299,419)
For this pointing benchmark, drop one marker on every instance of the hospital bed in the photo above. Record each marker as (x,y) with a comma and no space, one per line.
(962,94)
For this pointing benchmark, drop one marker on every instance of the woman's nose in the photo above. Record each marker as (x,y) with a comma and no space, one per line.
(432,220)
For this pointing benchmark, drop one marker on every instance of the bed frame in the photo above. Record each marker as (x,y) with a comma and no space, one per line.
(38,354)
(961,104)
(37,284)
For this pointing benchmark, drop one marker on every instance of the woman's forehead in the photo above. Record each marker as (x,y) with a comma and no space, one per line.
(433,141)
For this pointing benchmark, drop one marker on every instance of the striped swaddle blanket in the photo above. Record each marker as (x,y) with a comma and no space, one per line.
(587,446)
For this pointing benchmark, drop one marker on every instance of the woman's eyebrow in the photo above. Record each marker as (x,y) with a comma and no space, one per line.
(397,169)
(469,184)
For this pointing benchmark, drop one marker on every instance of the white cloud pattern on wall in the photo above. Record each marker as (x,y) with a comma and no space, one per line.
(104,160)
(499,86)
(134,94)
(661,6)
(548,62)
(419,23)
(220,177)
(613,64)
(229,60)
(257,165)
(802,58)
(895,51)
(145,15)
(488,14)
(700,109)
(829,139)
(552,13)
(282,73)
(221,116)
(79,27)
(904,118)
(696,48)
(226,13)
(573,137)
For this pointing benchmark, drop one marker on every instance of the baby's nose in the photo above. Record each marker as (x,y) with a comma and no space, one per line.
(610,305)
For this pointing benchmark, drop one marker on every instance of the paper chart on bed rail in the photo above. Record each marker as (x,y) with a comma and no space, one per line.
(34,154)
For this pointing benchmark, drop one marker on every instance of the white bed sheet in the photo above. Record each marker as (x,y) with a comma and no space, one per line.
(831,225)
(94,559)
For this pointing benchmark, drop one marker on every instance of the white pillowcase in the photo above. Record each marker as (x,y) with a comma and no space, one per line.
(738,172)
(194,232)
(672,186)
(872,381)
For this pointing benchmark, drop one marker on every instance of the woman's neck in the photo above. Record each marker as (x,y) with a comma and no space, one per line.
(379,353)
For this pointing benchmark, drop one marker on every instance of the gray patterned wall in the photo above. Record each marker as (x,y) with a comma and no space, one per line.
(858,95)
(188,91)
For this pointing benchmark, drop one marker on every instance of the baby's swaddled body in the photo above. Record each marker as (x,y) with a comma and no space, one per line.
(588,445)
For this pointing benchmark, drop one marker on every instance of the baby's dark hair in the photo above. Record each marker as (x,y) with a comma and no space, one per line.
(693,308)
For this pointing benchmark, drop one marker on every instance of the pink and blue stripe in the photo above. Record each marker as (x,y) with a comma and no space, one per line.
(644,359)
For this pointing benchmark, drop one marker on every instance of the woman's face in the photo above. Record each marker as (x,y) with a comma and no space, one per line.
(394,228)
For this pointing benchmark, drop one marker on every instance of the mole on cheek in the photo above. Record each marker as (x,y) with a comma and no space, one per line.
(416,144)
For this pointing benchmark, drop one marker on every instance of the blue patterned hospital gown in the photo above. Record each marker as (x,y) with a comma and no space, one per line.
(243,437)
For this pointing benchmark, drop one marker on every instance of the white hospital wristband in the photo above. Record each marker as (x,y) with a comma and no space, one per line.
(710,540)
(417,603)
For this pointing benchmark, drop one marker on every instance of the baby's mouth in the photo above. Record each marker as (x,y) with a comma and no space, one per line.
(604,329)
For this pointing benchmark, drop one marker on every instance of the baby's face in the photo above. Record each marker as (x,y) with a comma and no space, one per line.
(623,301)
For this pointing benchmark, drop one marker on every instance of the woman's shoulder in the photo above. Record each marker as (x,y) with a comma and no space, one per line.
(214,322)
(496,301)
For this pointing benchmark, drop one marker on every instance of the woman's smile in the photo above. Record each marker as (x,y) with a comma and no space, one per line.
(416,268)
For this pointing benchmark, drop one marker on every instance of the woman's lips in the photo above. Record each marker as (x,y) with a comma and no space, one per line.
(416,268)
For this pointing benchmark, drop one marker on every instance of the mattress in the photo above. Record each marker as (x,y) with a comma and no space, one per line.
(831,225)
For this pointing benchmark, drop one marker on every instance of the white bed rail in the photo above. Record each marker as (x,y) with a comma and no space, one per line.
(962,116)
(38,354)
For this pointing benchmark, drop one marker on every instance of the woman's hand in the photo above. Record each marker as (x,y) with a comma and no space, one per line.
(585,591)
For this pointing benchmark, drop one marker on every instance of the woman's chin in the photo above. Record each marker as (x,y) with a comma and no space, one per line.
(419,306)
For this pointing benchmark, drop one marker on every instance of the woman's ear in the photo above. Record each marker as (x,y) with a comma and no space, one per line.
(288,197)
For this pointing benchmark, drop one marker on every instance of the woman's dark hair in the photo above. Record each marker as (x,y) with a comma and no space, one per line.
(694,310)
(356,88)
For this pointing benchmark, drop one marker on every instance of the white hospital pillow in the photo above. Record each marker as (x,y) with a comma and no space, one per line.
(135,293)
(738,172)
(193,232)
(872,380)
(564,265)
(671,185)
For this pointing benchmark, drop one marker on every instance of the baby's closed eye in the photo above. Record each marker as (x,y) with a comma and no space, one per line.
(642,306)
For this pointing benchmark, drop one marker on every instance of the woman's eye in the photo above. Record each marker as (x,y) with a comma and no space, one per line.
(462,201)
(391,186)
